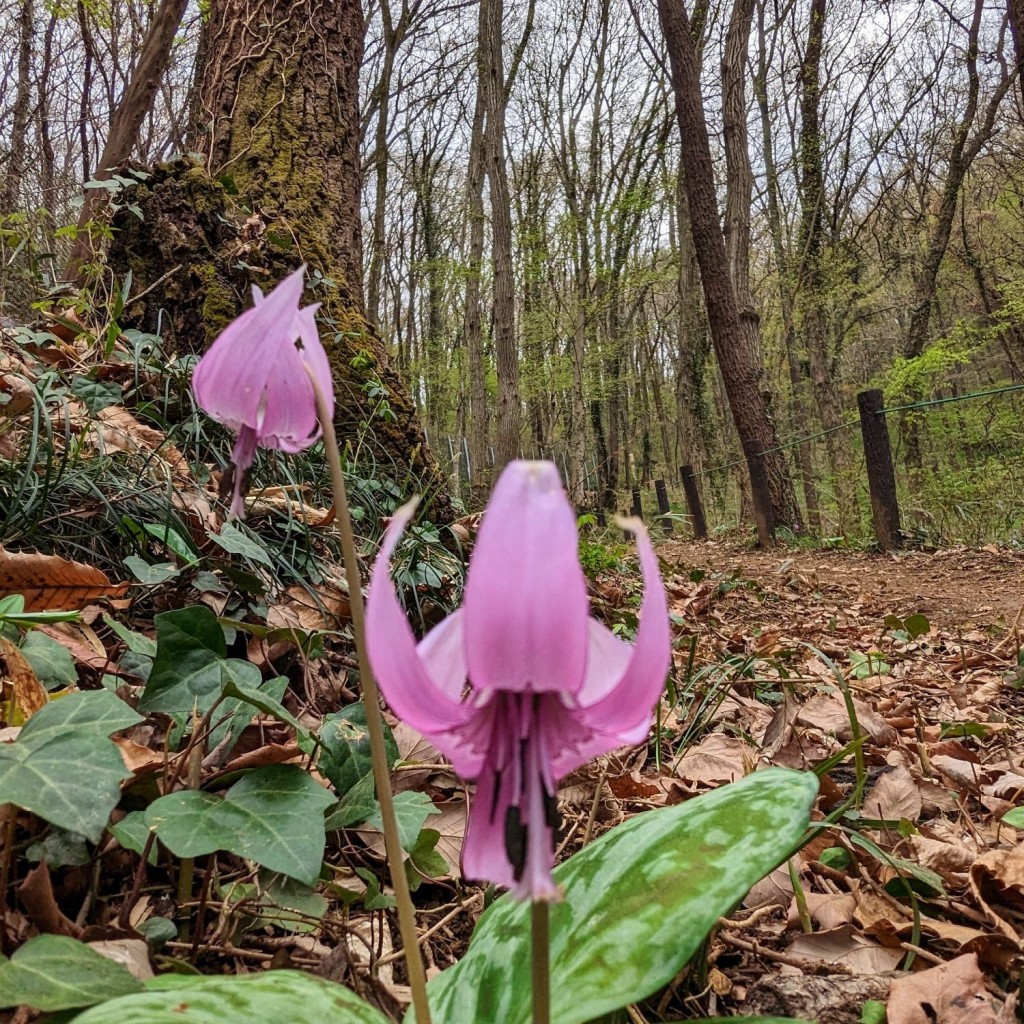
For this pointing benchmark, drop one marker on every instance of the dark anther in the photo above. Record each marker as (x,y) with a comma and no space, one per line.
(494,796)
(551,815)
(515,841)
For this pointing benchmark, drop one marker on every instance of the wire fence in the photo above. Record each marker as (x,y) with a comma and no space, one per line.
(462,470)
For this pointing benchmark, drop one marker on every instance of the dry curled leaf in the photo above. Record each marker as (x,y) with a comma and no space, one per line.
(19,684)
(952,993)
(51,583)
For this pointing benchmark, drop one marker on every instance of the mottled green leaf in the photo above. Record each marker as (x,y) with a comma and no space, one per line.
(54,972)
(271,996)
(638,902)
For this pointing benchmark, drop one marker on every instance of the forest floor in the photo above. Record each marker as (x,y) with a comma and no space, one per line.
(915,900)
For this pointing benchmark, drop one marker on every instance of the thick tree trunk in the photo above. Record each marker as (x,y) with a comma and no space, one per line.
(278,124)
(739,373)
(473,322)
(799,398)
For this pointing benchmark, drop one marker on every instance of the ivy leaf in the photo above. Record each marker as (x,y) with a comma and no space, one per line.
(186,669)
(235,542)
(412,809)
(273,816)
(50,660)
(73,730)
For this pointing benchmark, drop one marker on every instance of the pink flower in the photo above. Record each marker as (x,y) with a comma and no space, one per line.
(549,687)
(252,378)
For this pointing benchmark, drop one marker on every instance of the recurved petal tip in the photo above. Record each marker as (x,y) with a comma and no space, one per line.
(403,677)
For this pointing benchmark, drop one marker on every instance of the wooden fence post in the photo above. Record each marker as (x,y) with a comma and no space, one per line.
(663,506)
(637,509)
(693,505)
(601,518)
(764,517)
(885,507)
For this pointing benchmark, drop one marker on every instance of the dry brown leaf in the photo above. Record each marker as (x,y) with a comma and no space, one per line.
(894,796)
(828,910)
(952,993)
(997,881)
(131,954)
(843,946)
(139,760)
(324,607)
(950,860)
(36,896)
(717,759)
(775,888)
(51,583)
(828,713)
(16,677)
(120,430)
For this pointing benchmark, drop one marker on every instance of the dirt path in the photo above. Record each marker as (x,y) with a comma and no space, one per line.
(959,587)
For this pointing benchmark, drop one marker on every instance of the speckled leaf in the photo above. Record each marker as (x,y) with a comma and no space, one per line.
(272,996)
(54,972)
(638,902)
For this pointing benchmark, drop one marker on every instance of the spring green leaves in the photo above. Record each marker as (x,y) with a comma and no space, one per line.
(70,733)
(638,903)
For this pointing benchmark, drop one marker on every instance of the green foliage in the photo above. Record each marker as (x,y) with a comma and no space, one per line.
(638,903)
(271,996)
(54,972)
(71,731)
(273,816)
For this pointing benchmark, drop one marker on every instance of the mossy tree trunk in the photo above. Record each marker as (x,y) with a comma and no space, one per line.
(275,114)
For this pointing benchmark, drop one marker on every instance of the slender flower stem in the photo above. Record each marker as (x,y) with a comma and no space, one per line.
(540,966)
(374,720)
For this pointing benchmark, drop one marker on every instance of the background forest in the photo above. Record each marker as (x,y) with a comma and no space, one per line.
(527,252)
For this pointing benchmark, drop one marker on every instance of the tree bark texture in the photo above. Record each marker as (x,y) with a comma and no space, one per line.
(276,112)
(739,372)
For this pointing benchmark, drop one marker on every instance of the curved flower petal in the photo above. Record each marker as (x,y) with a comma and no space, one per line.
(253,375)
(624,707)
(526,604)
(403,677)
(443,653)
(313,354)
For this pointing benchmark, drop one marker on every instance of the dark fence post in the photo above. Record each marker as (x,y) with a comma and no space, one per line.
(885,507)
(764,517)
(663,506)
(693,505)
(637,509)
(602,519)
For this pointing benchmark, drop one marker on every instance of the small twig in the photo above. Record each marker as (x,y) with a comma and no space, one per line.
(781,958)
(433,929)
(594,804)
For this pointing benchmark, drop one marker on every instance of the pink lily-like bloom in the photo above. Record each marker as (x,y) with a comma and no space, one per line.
(252,378)
(520,686)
